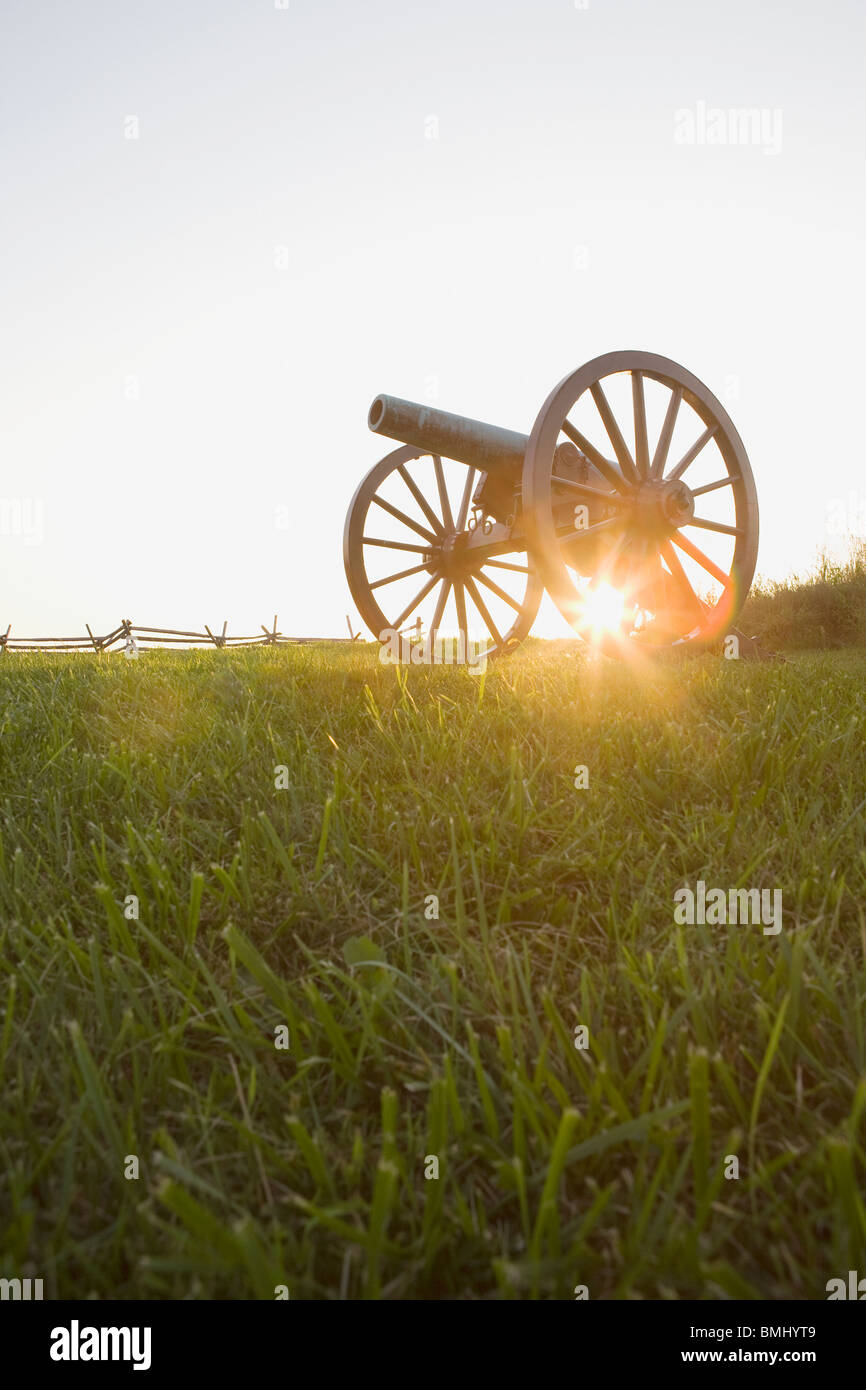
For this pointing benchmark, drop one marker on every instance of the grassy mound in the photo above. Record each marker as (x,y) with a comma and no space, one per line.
(824,609)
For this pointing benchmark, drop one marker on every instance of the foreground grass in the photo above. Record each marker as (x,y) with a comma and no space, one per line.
(409,1036)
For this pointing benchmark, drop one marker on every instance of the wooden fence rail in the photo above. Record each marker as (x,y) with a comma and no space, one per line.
(131,637)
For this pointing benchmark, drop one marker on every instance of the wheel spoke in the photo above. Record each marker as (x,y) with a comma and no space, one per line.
(592,494)
(679,575)
(440,609)
(420,498)
(500,593)
(406,520)
(591,530)
(394,545)
(504,565)
(444,503)
(410,607)
(692,453)
(715,526)
(661,454)
(464,502)
(460,604)
(712,487)
(612,554)
(648,556)
(404,574)
(700,558)
(482,609)
(641,444)
(643,576)
(596,458)
(614,434)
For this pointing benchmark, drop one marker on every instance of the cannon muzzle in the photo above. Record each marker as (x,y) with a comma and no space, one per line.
(486,447)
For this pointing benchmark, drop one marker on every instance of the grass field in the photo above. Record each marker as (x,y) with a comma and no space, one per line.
(309,906)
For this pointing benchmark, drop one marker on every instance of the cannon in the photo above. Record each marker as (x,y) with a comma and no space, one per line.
(631,502)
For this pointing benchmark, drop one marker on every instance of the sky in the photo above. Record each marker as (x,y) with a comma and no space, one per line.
(226,226)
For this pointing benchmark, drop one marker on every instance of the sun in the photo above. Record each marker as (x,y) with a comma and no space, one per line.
(602,609)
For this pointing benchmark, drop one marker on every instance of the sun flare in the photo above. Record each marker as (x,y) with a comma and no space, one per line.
(603,608)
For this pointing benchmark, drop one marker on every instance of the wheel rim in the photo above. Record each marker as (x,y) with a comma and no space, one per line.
(422,516)
(658,530)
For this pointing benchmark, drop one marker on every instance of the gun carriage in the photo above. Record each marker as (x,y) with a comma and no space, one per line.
(631,502)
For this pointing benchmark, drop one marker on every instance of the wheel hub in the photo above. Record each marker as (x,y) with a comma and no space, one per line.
(447,559)
(662,506)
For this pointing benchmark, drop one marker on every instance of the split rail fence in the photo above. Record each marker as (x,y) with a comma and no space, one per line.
(132,637)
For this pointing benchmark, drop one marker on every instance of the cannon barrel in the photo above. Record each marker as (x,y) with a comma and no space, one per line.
(486,447)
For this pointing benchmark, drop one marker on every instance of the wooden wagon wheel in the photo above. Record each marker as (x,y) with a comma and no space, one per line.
(413,525)
(655,511)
